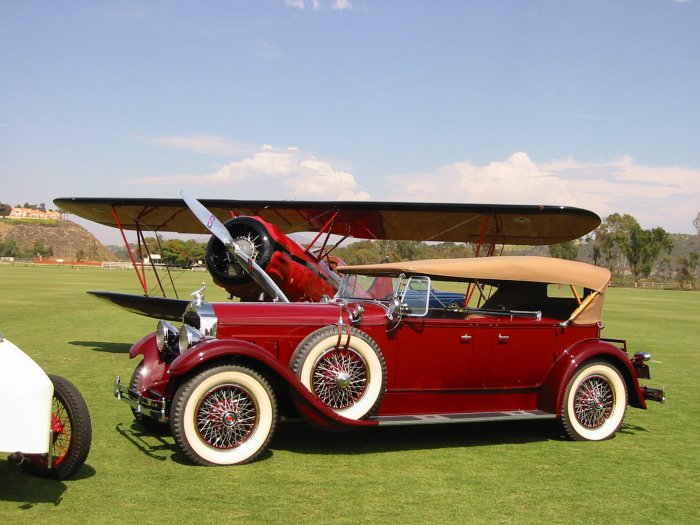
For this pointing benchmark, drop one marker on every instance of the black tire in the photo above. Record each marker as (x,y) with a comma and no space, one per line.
(71,435)
(225,415)
(595,402)
(349,377)
(148,423)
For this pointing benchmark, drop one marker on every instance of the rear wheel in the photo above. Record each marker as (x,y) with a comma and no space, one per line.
(225,415)
(348,373)
(71,434)
(595,403)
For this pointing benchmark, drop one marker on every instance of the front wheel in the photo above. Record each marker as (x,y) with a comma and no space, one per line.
(71,434)
(225,415)
(595,403)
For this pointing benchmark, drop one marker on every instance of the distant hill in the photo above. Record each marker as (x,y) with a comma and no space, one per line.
(68,239)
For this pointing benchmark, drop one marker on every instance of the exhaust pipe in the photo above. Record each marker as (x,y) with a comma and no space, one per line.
(17,458)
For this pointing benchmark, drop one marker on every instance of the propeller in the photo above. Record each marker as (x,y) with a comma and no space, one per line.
(216,227)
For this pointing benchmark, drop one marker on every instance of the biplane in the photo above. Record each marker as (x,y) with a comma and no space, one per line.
(259,232)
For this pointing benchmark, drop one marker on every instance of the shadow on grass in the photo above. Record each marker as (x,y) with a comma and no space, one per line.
(29,491)
(303,439)
(298,437)
(103,346)
(155,446)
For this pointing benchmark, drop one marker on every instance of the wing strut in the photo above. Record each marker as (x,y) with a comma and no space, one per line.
(141,272)
(326,228)
(141,278)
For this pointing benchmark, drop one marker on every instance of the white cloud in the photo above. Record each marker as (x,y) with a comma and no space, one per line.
(667,196)
(297,4)
(303,4)
(272,173)
(341,5)
(337,5)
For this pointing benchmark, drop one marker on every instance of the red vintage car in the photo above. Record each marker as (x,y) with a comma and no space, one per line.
(523,342)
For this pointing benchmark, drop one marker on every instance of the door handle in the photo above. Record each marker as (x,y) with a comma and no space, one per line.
(503,338)
(466,338)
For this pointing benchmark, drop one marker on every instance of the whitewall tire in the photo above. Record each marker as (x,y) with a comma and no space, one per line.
(225,415)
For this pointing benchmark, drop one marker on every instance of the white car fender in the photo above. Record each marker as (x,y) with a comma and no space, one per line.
(26,394)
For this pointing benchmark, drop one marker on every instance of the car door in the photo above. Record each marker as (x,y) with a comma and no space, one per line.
(441,353)
(522,351)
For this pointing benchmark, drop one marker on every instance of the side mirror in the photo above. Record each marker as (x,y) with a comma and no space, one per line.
(393,311)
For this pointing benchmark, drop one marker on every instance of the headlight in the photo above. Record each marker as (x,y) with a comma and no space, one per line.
(189,337)
(166,336)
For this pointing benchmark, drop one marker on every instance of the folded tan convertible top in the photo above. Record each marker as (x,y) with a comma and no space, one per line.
(511,268)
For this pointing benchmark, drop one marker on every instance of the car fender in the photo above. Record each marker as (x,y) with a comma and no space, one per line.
(250,354)
(554,386)
(147,347)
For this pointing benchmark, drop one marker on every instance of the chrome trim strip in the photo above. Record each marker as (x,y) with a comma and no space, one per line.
(475,417)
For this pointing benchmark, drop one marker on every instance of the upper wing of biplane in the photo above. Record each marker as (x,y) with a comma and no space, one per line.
(475,223)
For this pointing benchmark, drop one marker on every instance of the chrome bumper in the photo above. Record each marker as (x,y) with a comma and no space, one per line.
(155,408)
(654,394)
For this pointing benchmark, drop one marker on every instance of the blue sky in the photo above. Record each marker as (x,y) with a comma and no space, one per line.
(592,104)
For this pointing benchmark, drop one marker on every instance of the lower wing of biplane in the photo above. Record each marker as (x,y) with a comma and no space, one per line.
(247,233)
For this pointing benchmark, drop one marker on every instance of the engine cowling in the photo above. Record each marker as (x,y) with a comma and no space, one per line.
(298,274)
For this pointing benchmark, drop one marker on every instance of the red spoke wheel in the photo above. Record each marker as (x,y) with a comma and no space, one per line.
(71,434)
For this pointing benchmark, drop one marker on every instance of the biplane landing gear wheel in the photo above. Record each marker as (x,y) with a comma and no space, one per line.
(71,434)
(595,403)
(225,415)
(347,375)
(148,423)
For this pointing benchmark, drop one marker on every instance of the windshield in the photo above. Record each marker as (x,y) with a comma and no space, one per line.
(367,287)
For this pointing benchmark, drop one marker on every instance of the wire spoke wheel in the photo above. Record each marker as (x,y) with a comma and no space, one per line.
(595,402)
(340,378)
(61,431)
(226,416)
(344,370)
(71,434)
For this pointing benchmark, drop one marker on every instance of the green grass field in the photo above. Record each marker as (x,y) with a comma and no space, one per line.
(479,473)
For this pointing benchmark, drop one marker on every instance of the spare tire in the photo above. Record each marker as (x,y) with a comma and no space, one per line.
(348,373)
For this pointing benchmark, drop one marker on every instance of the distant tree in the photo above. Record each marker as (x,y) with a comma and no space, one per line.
(643,247)
(10,248)
(565,250)
(38,249)
(608,237)
(666,268)
(174,252)
(687,268)
(693,261)
(5,209)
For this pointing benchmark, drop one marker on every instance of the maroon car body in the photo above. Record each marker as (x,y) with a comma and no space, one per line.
(524,344)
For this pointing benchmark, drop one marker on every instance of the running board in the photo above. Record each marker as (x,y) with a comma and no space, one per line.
(472,417)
